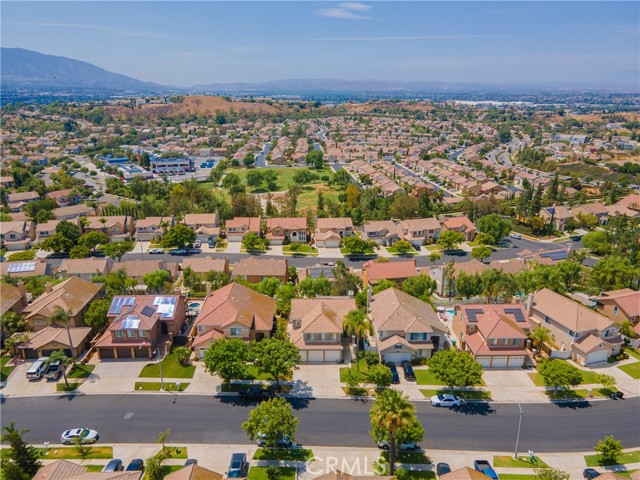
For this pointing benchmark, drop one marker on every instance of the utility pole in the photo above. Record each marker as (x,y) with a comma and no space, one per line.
(515,455)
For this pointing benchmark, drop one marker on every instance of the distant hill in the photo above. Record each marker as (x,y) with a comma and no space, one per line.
(27,68)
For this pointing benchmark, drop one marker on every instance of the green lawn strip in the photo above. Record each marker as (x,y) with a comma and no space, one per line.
(95,453)
(394,251)
(260,473)
(466,394)
(168,386)
(165,470)
(516,476)
(415,458)
(81,371)
(62,387)
(588,377)
(302,454)
(634,352)
(5,370)
(631,369)
(626,457)
(301,249)
(94,468)
(362,371)
(625,473)
(174,452)
(402,474)
(348,253)
(506,461)
(171,368)
(579,393)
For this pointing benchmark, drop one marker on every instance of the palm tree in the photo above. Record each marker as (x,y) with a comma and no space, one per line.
(356,323)
(449,276)
(540,336)
(62,316)
(103,221)
(390,413)
(60,356)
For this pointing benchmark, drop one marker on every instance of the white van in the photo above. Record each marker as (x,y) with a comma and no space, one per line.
(37,369)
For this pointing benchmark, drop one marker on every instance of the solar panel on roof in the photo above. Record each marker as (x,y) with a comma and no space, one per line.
(148,311)
(129,301)
(472,314)
(165,306)
(20,267)
(555,255)
(131,322)
(516,312)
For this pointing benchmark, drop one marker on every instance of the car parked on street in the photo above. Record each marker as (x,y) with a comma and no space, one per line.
(446,400)
(135,465)
(284,442)
(408,371)
(517,236)
(395,378)
(86,435)
(238,467)
(442,469)
(156,251)
(178,251)
(53,371)
(407,447)
(114,465)
(256,393)
(590,473)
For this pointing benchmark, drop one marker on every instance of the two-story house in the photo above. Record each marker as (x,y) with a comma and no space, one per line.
(16,235)
(385,232)
(621,306)
(137,323)
(373,272)
(405,327)
(292,229)
(316,326)
(255,269)
(233,311)
(558,216)
(460,224)
(495,334)
(420,231)
(72,211)
(47,229)
(205,225)
(579,332)
(331,231)
(17,201)
(66,197)
(118,227)
(152,228)
(237,228)
(85,268)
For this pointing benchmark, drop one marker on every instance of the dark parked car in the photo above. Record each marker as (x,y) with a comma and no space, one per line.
(190,461)
(114,465)
(135,465)
(408,371)
(256,393)
(395,378)
(590,473)
(238,467)
(442,469)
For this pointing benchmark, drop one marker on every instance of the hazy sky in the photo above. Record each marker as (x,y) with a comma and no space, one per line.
(185,43)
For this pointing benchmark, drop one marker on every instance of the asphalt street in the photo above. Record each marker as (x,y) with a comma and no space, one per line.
(324,422)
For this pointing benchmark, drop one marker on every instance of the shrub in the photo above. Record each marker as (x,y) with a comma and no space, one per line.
(183,354)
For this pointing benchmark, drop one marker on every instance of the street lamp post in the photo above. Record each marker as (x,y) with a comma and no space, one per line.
(515,455)
(157,352)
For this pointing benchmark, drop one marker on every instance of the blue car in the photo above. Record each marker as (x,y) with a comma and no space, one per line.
(238,467)
(408,371)
(395,378)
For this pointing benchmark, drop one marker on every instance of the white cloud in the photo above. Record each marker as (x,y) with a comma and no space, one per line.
(347,10)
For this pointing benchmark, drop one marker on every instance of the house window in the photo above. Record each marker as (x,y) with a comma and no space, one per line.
(398,346)
(572,333)
(131,333)
(235,331)
(516,342)
(142,333)
(615,310)
(297,322)
(118,333)
(607,333)
(547,319)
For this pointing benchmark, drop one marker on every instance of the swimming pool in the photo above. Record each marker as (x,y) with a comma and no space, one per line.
(194,305)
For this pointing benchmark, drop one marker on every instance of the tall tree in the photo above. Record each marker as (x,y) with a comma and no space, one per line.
(456,368)
(227,358)
(356,323)
(21,454)
(61,316)
(118,249)
(275,356)
(272,420)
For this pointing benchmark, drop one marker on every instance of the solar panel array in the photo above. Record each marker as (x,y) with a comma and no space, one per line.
(516,312)
(165,306)
(555,255)
(148,311)
(131,322)
(119,302)
(21,267)
(472,314)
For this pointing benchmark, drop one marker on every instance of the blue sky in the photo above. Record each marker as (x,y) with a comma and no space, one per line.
(185,43)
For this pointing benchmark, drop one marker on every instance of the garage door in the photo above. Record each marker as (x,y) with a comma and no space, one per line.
(397,357)
(484,361)
(499,362)
(515,362)
(332,356)
(31,353)
(597,357)
(47,353)
(315,356)
(106,353)
(141,353)
(124,352)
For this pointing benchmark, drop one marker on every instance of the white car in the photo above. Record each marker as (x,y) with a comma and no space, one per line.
(517,236)
(85,435)
(409,446)
(156,250)
(446,400)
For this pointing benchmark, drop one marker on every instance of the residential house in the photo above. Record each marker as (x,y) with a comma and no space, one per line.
(44,342)
(72,295)
(321,269)
(233,311)
(12,299)
(25,268)
(316,326)
(205,225)
(194,472)
(597,209)
(338,475)
(118,227)
(385,232)
(579,333)
(152,228)
(254,269)
(405,328)
(65,470)
(72,211)
(282,230)
(16,235)
(65,197)
(138,323)
(237,228)
(495,334)
(464,473)
(85,268)
(460,224)
(557,216)
(137,269)
(16,201)
(202,266)
(621,306)
(420,231)
(331,231)
(373,272)
(47,229)
(6,182)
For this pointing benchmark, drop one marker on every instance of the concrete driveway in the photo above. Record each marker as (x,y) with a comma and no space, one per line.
(114,376)
(318,380)
(19,384)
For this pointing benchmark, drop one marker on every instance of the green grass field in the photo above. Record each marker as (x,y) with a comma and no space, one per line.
(626,457)
(165,470)
(466,394)
(632,369)
(72,453)
(171,368)
(260,473)
(302,454)
(425,377)
(94,468)
(81,371)
(634,352)
(155,386)
(62,387)
(588,377)
(507,461)
(5,370)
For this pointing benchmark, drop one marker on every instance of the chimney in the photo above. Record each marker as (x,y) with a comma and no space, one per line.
(369,290)
(23,292)
(208,289)
(350,293)
(47,287)
(529,304)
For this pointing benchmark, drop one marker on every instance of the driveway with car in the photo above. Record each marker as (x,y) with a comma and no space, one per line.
(19,384)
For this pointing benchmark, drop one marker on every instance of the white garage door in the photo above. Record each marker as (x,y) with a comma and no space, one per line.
(332,356)
(597,357)
(515,362)
(397,357)
(499,362)
(484,361)
(303,355)
(315,356)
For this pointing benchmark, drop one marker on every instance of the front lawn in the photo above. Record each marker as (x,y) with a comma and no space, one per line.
(164,471)
(634,352)
(507,461)
(260,473)
(631,369)
(5,370)
(465,394)
(155,386)
(394,251)
(175,452)
(361,373)
(303,249)
(171,368)
(72,453)
(579,393)
(94,468)
(517,476)
(81,371)
(301,454)
(425,377)
(588,377)
(62,387)
(416,458)
(626,457)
